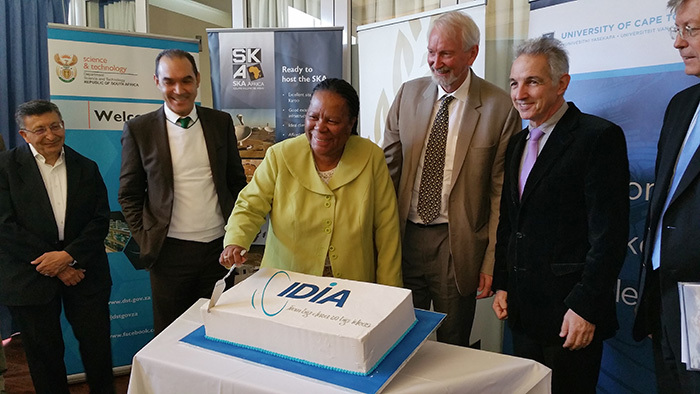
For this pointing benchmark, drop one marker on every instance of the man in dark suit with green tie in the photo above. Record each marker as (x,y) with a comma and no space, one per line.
(180,177)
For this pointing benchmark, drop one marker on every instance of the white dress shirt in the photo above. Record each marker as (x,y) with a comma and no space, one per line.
(56,183)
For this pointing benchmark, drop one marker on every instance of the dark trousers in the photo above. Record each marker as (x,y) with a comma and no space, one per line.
(42,340)
(184,272)
(573,371)
(428,271)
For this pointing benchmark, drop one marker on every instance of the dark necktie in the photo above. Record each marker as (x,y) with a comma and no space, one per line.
(430,190)
(184,122)
(530,157)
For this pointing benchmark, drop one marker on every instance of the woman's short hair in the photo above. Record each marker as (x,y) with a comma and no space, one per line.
(344,90)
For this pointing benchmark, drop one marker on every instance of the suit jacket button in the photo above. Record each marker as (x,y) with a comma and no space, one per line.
(519,235)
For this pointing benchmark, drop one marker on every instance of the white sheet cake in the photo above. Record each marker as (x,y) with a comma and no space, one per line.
(333,323)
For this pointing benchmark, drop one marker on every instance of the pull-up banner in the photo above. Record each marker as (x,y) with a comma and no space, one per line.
(623,68)
(100,79)
(264,77)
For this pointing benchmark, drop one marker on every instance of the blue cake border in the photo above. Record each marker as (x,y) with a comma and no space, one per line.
(426,323)
(313,364)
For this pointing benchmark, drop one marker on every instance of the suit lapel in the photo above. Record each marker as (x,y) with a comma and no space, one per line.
(211,141)
(690,174)
(29,172)
(514,166)
(422,119)
(693,168)
(556,145)
(74,172)
(160,139)
(470,118)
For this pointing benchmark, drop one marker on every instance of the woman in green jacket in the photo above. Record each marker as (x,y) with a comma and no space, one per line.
(331,202)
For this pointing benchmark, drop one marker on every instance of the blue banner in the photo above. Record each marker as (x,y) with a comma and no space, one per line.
(301,65)
(264,78)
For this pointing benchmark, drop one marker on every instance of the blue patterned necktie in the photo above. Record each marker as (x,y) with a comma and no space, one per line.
(430,190)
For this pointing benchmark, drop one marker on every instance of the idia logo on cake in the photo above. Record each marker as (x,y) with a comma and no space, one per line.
(65,70)
(300,291)
(247,66)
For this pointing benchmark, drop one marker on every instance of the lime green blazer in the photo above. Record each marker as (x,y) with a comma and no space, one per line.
(353,219)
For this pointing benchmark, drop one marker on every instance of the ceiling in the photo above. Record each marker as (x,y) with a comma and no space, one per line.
(217,12)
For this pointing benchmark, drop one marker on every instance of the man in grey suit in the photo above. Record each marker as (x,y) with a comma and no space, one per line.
(445,157)
(180,177)
(671,252)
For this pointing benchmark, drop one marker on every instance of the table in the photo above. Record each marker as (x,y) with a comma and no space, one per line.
(166,365)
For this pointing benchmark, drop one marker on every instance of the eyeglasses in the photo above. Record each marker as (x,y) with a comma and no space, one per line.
(54,127)
(685,32)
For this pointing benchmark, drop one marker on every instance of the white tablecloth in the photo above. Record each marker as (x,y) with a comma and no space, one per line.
(167,366)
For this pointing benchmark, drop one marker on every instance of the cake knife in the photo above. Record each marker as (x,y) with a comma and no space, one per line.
(220,286)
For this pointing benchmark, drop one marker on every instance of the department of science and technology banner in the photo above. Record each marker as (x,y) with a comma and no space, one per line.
(264,78)
(624,68)
(100,79)
(395,51)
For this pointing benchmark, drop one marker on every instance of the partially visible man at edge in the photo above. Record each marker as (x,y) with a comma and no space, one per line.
(3,365)
(672,250)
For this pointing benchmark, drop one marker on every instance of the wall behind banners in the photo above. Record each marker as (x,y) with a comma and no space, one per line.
(100,80)
(393,52)
(624,68)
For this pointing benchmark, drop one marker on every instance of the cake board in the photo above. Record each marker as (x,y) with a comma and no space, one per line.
(427,322)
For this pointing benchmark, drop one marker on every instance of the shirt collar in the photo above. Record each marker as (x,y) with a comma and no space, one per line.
(40,158)
(462,91)
(173,117)
(548,125)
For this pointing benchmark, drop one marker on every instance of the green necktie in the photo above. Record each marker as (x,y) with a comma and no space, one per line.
(184,122)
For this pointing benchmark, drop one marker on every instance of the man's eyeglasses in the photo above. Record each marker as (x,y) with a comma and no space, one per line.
(54,127)
(685,32)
